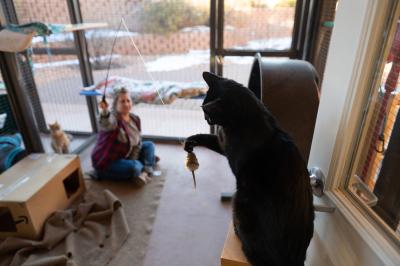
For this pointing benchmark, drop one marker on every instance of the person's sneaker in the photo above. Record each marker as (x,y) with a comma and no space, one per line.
(156,172)
(149,170)
(142,179)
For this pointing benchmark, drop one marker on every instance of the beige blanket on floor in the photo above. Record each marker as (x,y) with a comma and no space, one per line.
(89,234)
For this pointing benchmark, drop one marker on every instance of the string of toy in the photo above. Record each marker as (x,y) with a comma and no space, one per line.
(192,163)
(103,99)
(141,58)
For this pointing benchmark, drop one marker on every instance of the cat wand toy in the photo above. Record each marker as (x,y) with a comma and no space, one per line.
(192,165)
(103,99)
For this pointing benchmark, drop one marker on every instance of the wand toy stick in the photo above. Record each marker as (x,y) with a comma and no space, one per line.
(103,99)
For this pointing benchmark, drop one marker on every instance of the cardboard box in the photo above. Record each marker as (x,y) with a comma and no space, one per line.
(35,187)
(232,254)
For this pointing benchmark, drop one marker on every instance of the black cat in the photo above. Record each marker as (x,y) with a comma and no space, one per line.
(273,211)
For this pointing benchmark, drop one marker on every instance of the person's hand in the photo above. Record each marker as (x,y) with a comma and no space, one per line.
(103,105)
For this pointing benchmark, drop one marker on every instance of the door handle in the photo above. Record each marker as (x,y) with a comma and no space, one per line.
(317,181)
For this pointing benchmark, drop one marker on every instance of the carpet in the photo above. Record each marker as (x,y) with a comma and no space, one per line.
(140,206)
(110,225)
(95,223)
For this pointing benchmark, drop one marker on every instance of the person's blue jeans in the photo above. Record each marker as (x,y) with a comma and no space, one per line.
(124,169)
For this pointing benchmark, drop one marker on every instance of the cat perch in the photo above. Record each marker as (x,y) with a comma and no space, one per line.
(83,26)
(16,38)
(232,254)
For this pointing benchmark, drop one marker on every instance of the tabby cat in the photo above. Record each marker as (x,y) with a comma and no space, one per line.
(59,139)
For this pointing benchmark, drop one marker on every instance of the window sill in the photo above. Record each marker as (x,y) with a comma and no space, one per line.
(375,235)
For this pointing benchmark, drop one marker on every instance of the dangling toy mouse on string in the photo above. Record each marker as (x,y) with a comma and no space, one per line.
(192,165)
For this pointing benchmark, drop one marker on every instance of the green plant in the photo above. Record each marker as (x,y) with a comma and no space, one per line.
(160,17)
(279,3)
(287,3)
(258,4)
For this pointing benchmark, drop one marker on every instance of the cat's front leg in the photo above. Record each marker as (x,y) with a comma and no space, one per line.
(56,148)
(65,149)
(206,140)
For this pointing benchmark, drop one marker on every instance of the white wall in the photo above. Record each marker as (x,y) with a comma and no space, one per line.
(358,27)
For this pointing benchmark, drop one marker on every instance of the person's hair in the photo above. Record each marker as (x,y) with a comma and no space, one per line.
(116,95)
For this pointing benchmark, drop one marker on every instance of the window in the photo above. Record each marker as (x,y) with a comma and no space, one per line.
(361,40)
(374,179)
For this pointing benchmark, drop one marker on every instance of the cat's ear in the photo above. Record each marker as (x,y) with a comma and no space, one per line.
(210,78)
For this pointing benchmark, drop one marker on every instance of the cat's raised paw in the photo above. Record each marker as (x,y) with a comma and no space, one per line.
(189,145)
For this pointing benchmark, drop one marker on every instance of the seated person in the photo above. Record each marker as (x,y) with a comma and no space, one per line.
(120,153)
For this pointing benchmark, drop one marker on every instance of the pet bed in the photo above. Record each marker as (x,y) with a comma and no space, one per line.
(146,91)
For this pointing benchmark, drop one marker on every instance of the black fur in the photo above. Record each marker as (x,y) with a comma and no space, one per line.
(273,212)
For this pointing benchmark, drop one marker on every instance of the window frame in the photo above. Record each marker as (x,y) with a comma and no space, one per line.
(366,120)
(336,155)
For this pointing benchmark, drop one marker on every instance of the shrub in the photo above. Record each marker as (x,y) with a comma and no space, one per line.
(287,3)
(281,3)
(167,16)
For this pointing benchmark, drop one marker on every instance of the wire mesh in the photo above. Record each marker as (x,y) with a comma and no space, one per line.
(238,67)
(174,54)
(255,25)
(323,37)
(258,24)
(7,120)
(56,72)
